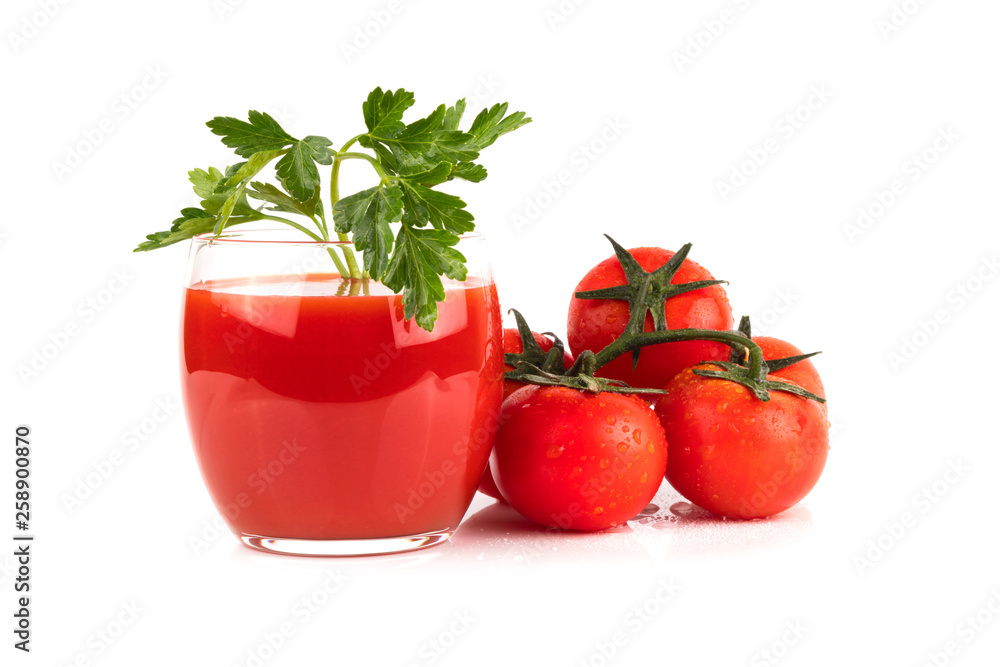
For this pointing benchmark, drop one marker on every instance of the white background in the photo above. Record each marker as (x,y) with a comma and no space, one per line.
(856,589)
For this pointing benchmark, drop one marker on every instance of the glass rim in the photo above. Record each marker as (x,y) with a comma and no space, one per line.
(209,238)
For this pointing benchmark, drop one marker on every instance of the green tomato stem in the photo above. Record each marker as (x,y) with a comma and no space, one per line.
(628,342)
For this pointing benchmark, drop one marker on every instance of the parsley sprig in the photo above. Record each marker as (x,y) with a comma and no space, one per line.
(404,227)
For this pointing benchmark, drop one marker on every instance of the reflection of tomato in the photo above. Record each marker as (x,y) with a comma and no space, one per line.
(579,460)
(802,373)
(594,323)
(735,455)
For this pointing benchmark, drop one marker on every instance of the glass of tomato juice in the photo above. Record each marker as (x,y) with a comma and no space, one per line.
(324,422)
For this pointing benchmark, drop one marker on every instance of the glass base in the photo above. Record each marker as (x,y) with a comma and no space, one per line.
(375,546)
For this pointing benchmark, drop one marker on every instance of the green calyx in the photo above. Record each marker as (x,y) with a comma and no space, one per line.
(647,291)
(740,368)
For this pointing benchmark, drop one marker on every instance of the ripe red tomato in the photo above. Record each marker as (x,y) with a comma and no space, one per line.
(578,460)
(802,373)
(512,345)
(594,323)
(735,455)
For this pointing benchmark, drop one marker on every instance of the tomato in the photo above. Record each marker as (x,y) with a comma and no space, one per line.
(802,373)
(512,345)
(578,460)
(735,455)
(594,323)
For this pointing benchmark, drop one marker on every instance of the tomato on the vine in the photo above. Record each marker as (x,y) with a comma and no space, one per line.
(512,345)
(595,323)
(735,455)
(802,373)
(578,460)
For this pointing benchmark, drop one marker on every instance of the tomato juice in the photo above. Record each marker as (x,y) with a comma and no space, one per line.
(318,412)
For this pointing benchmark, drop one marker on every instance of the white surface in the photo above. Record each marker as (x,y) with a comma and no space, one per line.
(609,67)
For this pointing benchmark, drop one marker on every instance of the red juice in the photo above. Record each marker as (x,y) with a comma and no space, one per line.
(318,412)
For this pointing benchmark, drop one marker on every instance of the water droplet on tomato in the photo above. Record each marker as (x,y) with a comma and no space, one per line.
(637,436)
(625,428)
(650,448)
(554,451)
(622,447)
(721,406)
(598,510)
(604,463)
(643,478)
(611,420)
(714,428)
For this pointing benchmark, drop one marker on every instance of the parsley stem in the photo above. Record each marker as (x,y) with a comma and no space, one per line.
(352,262)
(364,156)
(294,224)
(336,260)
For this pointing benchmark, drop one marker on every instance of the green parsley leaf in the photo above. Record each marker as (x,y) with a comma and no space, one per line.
(262,133)
(421,257)
(383,111)
(470,171)
(193,221)
(368,215)
(297,169)
(491,123)
(442,210)
(211,187)
(283,201)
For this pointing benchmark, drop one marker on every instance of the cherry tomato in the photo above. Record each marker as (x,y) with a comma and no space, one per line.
(578,460)
(735,455)
(512,345)
(594,323)
(802,373)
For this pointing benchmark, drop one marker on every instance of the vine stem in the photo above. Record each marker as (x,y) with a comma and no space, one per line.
(733,339)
